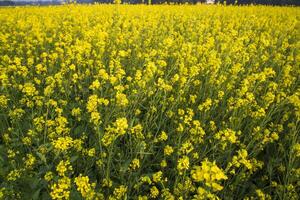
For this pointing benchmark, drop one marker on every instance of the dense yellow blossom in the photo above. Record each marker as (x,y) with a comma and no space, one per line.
(63,167)
(296,149)
(183,163)
(14,175)
(3,101)
(29,89)
(149,102)
(135,164)
(61,189)
(84,187)
(120,192)
(209,173)
(154,192)
(121,99)
(168,150)
(30,160)
(63,143)
(48,176)
(157,177)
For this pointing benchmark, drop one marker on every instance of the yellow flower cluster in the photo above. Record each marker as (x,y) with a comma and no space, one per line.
(210,174)
(226,136)
(63,143)
(84,187)
(183,163)
(63,167)
(61,189)
(242,160)
(119,128)
(135,164)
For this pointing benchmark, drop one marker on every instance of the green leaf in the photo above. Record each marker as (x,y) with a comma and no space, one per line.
(34,183)
(73,158)
(36,195)
(42,157)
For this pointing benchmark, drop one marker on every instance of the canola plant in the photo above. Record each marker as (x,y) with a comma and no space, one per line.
(149,102)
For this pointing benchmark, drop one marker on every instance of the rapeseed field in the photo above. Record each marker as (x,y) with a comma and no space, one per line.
(149,102)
